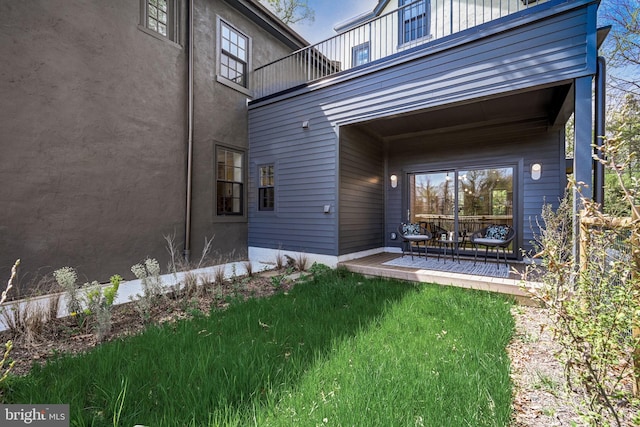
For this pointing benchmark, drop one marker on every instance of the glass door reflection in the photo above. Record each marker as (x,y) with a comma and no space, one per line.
(432,202)
(461,201)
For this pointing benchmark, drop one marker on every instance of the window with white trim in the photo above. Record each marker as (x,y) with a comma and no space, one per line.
(413,20)
(160,17)
(360,54)
(229,182)
(233,54)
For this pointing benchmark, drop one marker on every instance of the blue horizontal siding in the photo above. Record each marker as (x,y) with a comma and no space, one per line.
(309,169)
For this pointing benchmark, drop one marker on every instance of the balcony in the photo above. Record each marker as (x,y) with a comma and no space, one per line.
(393,33)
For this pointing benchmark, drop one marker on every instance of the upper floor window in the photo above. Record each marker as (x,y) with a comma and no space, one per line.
(234,54)
(266,189)
(413,20)
(160,17)
(229,182)
(360,54)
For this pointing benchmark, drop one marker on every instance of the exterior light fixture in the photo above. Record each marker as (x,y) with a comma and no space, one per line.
(536,171)
(394,181)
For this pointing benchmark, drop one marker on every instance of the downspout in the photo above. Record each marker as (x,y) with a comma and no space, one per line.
(187,222)
(600,118)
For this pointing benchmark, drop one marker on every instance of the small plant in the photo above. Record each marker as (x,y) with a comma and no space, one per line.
(276,281)
(178,263)
(280,261)
(318,268)
(301,261)
(27,319)
(149,275)
(6,364)
(190,284)
(100,305)
(248,267)
(218,275)
(67,278)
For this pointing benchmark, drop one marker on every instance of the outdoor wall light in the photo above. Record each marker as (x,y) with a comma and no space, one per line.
(536,171)
(394,181)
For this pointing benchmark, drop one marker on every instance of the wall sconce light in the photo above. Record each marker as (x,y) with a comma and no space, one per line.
(536,171)
(394,181)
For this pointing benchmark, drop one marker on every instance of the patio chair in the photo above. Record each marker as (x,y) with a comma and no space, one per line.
(494,236)
(413,234)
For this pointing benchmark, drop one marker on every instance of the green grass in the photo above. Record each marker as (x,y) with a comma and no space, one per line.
(340,350)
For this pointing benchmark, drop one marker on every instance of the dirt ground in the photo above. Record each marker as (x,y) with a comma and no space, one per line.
(540,397)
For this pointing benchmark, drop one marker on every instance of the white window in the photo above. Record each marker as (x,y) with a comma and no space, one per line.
(160,17)
(413,20)
(360,54)
(233,54)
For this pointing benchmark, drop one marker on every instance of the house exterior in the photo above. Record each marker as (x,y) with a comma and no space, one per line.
(125,121)
(449,113)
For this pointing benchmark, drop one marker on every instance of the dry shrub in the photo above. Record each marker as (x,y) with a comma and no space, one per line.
(248,268)
(301,262)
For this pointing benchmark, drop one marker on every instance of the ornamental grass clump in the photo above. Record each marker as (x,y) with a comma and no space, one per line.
(6,364)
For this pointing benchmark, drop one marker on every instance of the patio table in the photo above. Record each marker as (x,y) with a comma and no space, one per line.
(445,241)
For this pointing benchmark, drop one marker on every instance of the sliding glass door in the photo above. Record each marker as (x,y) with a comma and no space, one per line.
(461,201)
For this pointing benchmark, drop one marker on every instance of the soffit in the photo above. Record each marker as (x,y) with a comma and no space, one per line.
(541,104)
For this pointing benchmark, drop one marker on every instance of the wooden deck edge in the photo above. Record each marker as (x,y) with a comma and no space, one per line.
(509,287)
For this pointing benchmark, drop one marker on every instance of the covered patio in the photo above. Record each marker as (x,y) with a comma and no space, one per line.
(448,273)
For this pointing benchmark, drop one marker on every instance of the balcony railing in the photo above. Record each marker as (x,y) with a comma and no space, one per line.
(404,28)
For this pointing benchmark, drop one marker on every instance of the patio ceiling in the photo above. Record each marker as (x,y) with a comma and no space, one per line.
(542,104)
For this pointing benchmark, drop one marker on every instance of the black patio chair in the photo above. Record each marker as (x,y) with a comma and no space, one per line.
(494,236)
(413,234)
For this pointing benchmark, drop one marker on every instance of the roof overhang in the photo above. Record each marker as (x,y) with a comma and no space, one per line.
(269,22)
(544,105)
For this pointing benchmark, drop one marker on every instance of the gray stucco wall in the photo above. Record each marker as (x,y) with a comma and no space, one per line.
(94,135)
(92,127)
(221,120)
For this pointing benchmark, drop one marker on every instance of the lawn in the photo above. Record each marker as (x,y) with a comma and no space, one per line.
(336,350)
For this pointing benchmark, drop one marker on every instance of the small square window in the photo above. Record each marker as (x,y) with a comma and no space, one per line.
(360,54)
(160,17)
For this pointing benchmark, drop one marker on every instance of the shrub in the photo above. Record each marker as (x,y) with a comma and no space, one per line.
(67,278)
(100,305)
(594,303)
(149,275)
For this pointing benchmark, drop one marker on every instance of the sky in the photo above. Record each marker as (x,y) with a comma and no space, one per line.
(328,14)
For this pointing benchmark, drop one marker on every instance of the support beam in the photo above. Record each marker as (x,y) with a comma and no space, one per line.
(582,151)
(600,117)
